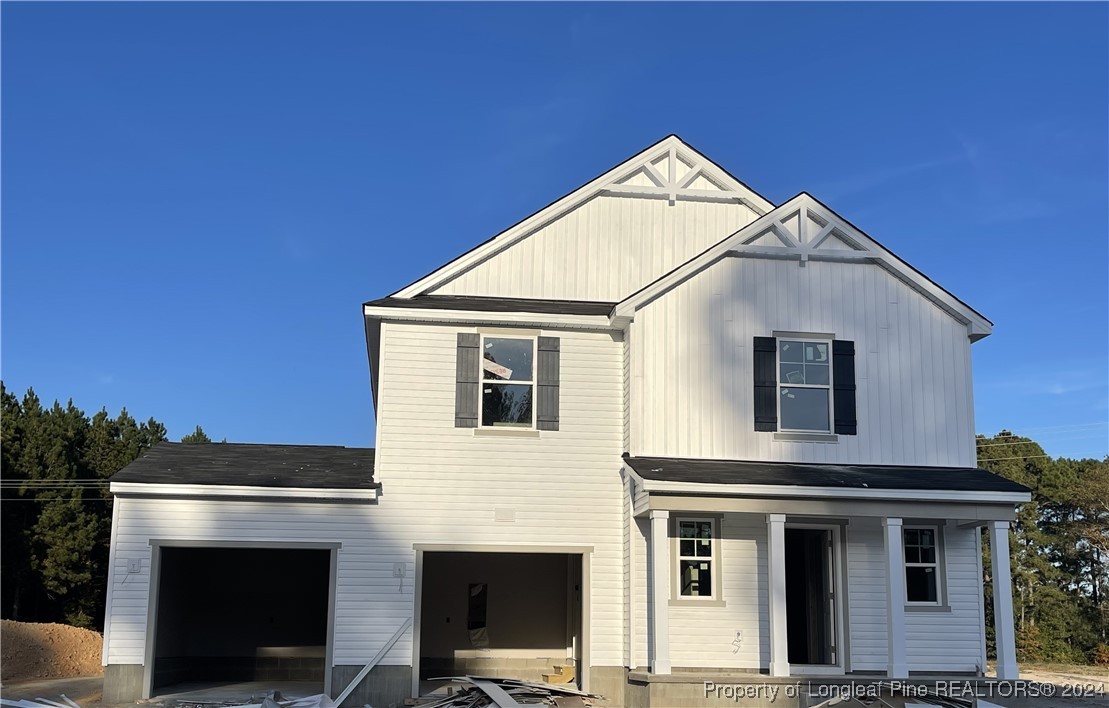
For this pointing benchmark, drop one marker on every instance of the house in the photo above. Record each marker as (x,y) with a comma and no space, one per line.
(660,430)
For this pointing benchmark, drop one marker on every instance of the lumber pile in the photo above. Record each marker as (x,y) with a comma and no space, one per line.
(511,693)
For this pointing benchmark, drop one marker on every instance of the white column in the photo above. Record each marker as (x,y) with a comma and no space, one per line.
(1003,601)
(660,592)
(895,599)
(776,586)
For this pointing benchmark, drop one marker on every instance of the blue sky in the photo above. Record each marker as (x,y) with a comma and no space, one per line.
(197,197)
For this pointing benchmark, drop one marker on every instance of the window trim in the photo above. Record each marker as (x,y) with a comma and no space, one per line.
(941,598)
(676,597)
(801,339)
(482,381)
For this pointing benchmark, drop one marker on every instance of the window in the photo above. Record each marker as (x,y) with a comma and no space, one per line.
(507,382)
(805,385)
(696,558)
(922,568)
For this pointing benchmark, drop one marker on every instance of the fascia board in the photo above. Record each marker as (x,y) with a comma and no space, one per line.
(401,314)
(776,490)
(240,491)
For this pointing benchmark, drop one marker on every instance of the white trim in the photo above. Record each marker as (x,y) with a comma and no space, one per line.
(866,249)
(830,430)
(482,381)
(781,490)
(937,542)
(671,144)
(898,664)
(1007,668)
(476,317)
(839,594)
(713,561)
(117,509)
(659,582)
(228,490)
(776,593)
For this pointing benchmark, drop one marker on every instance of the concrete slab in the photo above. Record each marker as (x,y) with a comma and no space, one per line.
(244,691)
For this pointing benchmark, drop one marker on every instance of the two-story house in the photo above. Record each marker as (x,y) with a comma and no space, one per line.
(660,430)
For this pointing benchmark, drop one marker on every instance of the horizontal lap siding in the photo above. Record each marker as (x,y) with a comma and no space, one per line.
(606,249)
(704,637)
(442,484)
(935,641)
(695,377)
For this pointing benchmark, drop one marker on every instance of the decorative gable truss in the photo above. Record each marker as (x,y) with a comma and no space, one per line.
(670,169)
(804,229)
(675,172)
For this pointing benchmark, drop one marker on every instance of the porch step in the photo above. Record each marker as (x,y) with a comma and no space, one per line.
(563,674)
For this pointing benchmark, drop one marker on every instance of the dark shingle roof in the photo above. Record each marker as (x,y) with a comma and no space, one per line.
(304,466)
(497,304)
(969,479)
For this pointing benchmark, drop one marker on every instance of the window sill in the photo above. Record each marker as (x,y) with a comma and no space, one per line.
(806,437)
(928,608)
(505,433)
(698,603)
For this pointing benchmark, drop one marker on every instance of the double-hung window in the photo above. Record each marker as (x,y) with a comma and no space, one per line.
(922,565)
(805,385)
(507,387)
(697,558)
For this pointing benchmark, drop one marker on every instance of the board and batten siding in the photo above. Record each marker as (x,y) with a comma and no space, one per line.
(442,484)
(605,250)
(948,640)
(692,364)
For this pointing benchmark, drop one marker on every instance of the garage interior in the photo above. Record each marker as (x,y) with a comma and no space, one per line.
(509,615)
(232,615)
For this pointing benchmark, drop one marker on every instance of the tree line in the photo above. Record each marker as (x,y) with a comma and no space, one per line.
(55,508)
(56,526)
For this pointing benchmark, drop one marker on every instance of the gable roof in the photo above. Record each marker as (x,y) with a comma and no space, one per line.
(249,465)
(633,177)
(497,304)
(804,228)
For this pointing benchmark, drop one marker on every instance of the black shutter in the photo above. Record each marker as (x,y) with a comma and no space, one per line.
(546,384)
(467,380)
(843,393)
(766,383)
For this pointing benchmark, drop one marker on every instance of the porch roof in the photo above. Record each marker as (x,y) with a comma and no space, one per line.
(825,476)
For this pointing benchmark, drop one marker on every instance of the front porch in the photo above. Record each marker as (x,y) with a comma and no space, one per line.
(795,580)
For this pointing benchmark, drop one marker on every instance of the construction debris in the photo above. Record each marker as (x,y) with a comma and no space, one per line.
(486,692)
(40,703)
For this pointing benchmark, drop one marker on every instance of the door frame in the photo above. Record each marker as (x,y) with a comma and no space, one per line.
(585,553)
(838,596)
(154,591)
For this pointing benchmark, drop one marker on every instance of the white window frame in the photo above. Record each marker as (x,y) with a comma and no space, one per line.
(713,560)
(778,376)
(482,381)
(938,565)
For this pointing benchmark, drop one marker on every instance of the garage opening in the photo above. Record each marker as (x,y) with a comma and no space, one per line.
(235,615)
(509,615)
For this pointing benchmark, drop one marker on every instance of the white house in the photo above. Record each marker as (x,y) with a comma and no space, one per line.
(661,430)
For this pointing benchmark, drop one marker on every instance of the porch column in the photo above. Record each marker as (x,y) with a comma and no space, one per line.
(776,602)
(1003,601)
(895,598)
(660,591)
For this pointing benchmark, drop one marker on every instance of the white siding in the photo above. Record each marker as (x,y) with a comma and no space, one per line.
(441,484)
(692,364)
(935,641)
(703,637)
(604,250)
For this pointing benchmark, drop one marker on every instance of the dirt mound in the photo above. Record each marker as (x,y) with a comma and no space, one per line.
(30,651)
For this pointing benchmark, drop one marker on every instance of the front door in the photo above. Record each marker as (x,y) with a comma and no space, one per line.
(811,612)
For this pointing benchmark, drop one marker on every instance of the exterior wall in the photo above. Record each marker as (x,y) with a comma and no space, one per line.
(692,364)
(442,484)
(948,640)
(604,250)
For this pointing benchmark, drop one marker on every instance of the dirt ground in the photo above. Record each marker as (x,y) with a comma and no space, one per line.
(39,651)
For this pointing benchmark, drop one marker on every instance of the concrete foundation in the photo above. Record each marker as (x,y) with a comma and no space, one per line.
(122,683)
(384,687)
(610,682)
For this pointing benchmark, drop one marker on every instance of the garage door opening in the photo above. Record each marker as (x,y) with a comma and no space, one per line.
(509,615)
(236,615)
